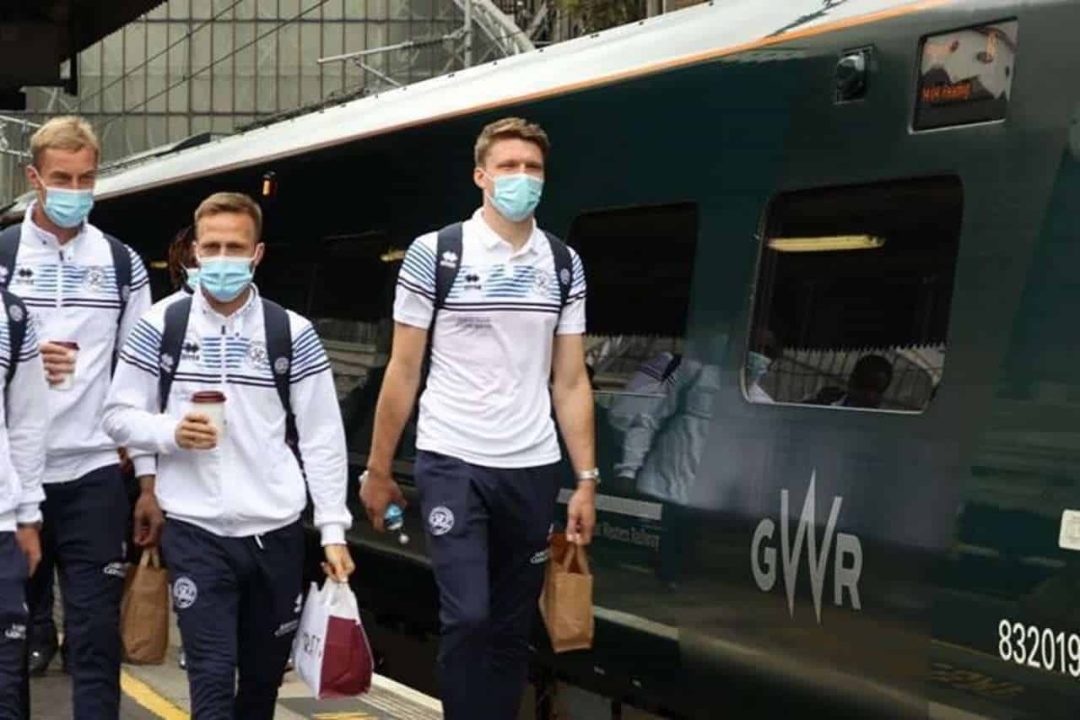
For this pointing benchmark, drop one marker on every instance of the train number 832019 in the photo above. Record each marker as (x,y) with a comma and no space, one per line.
(1039,648)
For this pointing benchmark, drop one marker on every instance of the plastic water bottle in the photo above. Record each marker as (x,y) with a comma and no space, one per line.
(394,521)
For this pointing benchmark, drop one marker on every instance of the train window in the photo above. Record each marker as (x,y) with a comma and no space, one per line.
(639,262)
(349,299)
(853,295)
(641,254)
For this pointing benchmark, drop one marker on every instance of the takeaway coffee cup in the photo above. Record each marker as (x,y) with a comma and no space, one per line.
(212,404)
(69,379)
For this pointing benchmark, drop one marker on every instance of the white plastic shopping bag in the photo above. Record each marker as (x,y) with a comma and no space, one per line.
(331,650)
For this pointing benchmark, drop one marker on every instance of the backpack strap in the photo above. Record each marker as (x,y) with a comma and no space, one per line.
(279,351)
(564,268)
(448,248)
(9,248)
(122,267)
(16,320)
(172,344)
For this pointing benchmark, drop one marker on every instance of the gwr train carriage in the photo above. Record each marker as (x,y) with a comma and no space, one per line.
(830,250)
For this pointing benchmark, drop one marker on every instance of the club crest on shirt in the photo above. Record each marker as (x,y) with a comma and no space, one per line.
(257,356)
(540,283)
(95,277)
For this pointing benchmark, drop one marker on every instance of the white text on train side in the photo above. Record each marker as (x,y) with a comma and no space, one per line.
(847,562)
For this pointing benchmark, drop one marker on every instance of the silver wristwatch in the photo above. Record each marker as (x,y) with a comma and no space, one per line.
(593,475)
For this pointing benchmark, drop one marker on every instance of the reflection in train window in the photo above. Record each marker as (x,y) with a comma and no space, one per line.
(853,295)
(350,301)
(639,263)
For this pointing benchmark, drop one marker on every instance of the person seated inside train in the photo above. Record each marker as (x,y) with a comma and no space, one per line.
(866,385)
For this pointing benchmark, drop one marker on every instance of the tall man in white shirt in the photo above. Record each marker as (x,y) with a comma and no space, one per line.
(231,488)
(82,288)
(507,303)
(24,420)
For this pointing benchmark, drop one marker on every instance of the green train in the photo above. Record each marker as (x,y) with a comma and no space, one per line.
(831,313)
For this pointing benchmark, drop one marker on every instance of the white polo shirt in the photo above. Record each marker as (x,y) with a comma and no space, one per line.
(487,399)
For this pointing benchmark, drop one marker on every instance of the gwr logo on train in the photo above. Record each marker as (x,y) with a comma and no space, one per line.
(847,559)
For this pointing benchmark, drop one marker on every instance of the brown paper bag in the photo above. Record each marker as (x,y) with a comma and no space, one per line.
(566,601)
(144,611)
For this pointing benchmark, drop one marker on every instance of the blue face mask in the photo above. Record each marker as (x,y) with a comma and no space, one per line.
(191,277)
(225,277)
(516,196)
(68,208)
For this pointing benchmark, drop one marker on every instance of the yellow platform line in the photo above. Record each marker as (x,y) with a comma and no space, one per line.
(149,698)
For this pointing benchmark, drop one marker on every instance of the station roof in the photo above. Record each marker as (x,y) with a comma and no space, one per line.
(36,36)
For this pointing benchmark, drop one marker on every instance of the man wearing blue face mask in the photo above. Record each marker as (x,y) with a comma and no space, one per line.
(84,290)
(214,382)
(503,306)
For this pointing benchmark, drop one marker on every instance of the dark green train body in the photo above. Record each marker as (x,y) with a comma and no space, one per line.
(804,551)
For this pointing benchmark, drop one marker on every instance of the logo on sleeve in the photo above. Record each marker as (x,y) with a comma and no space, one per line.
(184,593)
(449,259)
(16,313)
(564,276)
(281,365)
(441,520)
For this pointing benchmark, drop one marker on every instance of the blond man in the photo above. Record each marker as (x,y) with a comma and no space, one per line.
(84,291)
(503,305)
(229,482)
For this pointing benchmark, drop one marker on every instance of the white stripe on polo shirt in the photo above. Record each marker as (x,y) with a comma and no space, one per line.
(487,400)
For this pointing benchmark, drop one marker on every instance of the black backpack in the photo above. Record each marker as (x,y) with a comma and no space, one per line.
(278,350)
(448,250)
(10,238)
(448,261)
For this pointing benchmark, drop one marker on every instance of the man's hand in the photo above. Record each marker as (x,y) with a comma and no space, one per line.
(339,563)
(377,491)
(196,432)
(148,520)
(59,362)
(29,540)
(581,513)
(126,466)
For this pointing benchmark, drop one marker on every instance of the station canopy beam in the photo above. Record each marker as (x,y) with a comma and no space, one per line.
(38,36)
